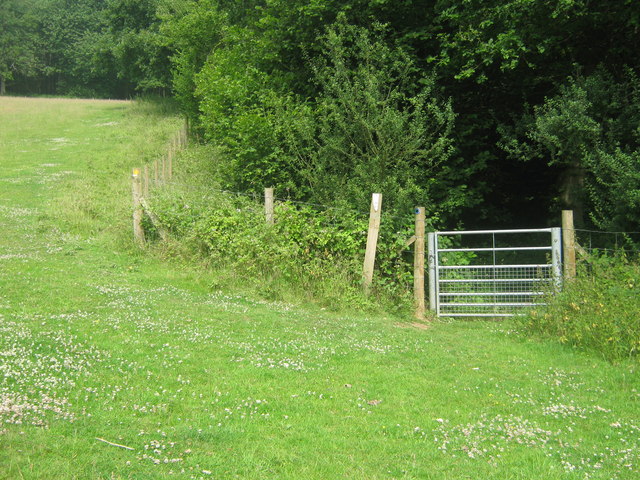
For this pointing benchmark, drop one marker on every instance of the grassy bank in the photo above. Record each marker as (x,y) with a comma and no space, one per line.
(101,342)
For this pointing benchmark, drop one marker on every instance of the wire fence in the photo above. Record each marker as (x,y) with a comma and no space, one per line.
(601,242)
(330,211)
(160,176)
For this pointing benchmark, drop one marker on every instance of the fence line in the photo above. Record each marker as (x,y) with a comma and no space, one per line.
(608,242)
(160,174)
(256,196)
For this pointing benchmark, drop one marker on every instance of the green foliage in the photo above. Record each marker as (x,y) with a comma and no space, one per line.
(238,101)
(18,47)
(484,37)
(309,253)
(375,125)
(598,311)
(589,132)
(138,49)
(278,82)
(191,30)
(615,189)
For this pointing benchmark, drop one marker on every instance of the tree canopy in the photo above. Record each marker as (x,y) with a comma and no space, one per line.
(496,112)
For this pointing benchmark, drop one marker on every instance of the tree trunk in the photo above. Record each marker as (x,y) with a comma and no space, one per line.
(2,87)
(572,192)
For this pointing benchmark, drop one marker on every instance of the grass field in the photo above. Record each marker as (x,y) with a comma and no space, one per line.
(101,342)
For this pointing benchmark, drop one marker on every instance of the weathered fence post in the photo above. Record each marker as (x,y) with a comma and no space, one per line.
(156,169)
(184,135)
(138,232)
(568,245)
(418,265)
(372,241)
(268,206)
(145,185)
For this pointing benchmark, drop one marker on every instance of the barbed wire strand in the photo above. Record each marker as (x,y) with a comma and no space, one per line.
(256,196)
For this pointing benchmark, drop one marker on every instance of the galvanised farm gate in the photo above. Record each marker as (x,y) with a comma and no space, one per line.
(492,273)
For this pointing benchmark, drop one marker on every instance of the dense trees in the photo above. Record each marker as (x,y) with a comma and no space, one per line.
(103,48)
(494,111)
(18,45)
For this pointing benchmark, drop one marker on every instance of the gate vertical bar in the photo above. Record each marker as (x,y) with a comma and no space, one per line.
(431,257)
(436,261)
(556,262)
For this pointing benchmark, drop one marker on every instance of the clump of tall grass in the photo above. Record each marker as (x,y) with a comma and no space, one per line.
(598,311)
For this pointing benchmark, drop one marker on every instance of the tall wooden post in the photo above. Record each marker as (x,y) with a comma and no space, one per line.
(138,232)
(568,245)
(372,241)
(418,265)
(268,206)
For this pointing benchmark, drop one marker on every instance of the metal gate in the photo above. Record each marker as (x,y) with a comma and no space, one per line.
(492,273)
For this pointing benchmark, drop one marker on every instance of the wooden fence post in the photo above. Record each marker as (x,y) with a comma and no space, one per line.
(145,184)
(568,245)
(138,232)
(155,172)
(268,206)
(418,265)
(185,133)
(372,241)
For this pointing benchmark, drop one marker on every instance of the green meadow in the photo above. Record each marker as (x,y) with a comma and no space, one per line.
(117,363)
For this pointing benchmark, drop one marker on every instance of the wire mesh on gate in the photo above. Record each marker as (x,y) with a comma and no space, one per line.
(492,280)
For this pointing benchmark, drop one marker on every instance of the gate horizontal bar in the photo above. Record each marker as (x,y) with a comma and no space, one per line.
(472,267)
(489,294)
(500,304)
(480,314)
(481,232)
(496,249)
(495,280)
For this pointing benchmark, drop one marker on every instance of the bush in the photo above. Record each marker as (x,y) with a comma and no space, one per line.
(375,125)
(597,311)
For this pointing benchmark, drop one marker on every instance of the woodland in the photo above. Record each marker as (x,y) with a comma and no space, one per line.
(488,112)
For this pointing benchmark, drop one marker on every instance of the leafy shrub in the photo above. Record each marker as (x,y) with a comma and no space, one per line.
(597,311)
(375,125)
